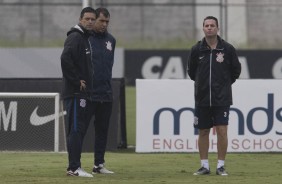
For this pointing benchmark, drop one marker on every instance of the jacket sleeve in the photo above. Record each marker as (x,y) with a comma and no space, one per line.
(192,63)
(68,59)
(114,44)
(114,48)
(235,65)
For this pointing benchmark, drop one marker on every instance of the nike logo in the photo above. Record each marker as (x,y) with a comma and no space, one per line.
(87,51)
(201,57)
(41,120)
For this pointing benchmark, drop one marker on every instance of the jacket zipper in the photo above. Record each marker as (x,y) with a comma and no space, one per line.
(92,67)
(210,78)
(210,84)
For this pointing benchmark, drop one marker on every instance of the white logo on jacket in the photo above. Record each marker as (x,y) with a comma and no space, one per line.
(87,51)
(201,57)
(220,57)
(82,102)
(109,45)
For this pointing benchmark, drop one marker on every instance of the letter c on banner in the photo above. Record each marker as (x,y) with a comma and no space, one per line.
(277,69)
(152,68)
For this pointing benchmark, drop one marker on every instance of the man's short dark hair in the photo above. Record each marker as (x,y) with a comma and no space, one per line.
(86,10)
(211,17)
(104,12)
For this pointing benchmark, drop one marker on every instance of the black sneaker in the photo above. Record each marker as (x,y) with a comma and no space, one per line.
(221,171)
(202,171)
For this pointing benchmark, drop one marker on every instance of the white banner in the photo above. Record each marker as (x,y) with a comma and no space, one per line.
(165,114)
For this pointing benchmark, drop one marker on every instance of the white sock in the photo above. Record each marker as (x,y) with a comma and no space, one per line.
(205,163)
(220,163)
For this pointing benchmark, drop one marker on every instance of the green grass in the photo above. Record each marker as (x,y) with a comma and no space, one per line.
(130,115)
(133,168)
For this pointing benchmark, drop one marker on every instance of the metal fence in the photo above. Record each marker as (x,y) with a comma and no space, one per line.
(247,23)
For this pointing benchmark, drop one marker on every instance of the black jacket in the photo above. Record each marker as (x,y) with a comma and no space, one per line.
(103,48)
(214,71)
(76,62)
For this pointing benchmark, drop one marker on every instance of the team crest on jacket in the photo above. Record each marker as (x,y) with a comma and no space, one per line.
(220,57)
(109,45)
(82,102)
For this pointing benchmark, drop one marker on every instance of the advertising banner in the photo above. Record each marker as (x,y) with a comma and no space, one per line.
(27,122)
(172,64)
(165,115)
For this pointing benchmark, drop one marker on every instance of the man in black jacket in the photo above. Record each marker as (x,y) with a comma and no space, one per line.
(103,48)
(77,72)
(214,66)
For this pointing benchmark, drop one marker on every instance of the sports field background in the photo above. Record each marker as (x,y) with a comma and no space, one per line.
(136,168)
(26,26)
(133,168)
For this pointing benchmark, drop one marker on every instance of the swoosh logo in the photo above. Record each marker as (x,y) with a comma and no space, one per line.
(37,120)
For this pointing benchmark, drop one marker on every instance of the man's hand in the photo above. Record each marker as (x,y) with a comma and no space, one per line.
(82,85)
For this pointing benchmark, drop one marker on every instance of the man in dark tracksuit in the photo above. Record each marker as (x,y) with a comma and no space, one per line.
(77,69)
(103,48)
(214,66)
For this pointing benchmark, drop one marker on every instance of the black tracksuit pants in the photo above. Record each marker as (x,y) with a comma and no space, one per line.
(79,113)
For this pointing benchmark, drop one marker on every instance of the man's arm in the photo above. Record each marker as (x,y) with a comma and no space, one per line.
(236,65)
(68,61)
(192,64)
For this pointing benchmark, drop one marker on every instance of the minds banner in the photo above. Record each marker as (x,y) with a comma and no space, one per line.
(165,115)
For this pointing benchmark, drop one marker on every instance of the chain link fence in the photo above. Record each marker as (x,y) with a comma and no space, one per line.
(160,23)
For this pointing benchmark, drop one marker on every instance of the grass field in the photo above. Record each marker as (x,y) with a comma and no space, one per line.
(136,168)
(130,115)
(133,168)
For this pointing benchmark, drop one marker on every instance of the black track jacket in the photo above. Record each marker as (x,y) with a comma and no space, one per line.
(214,71)
(76,62)
(103,49)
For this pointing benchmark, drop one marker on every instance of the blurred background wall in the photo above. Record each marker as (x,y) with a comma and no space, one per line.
(245,23)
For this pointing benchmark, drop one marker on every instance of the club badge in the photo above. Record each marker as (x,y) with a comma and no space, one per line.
(109,45)
(82,102)
(220,57)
